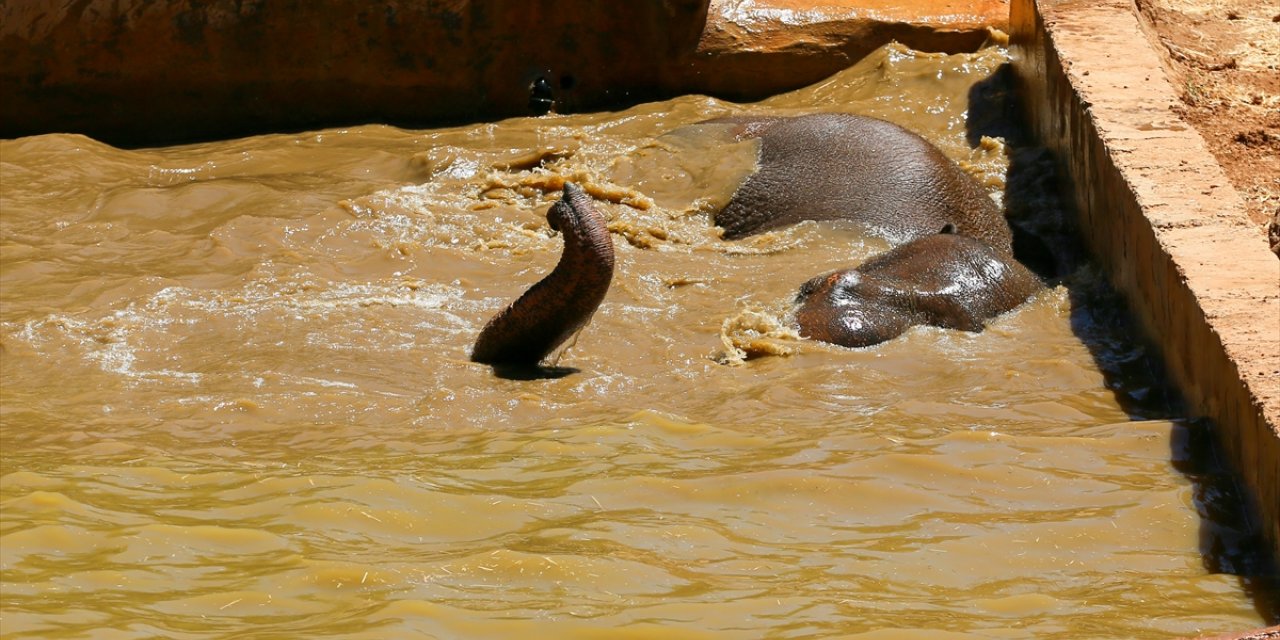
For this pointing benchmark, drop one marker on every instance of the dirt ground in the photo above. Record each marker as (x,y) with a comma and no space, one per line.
(1223,57)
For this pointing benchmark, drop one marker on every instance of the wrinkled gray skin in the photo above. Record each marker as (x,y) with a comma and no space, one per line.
(559,305)
(945,280)
(827,166)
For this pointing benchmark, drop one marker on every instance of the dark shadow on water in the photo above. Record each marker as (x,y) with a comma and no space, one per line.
(531,372)
(1230,536)
(1047,240)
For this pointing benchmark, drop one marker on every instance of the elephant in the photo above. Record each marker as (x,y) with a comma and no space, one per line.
(831,166)
(944,280)
(951,263)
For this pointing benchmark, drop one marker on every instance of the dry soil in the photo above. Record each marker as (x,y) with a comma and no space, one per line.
(1223,57)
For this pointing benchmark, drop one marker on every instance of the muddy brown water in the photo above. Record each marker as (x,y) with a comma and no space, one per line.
(237,403)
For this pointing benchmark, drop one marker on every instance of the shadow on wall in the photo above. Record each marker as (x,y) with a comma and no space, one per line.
(1048,241)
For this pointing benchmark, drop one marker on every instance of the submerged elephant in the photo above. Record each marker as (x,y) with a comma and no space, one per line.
(817,167)
(944,280)
(827,166)
(895,185)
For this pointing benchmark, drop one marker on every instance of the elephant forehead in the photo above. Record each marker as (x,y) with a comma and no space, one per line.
(859,323)
(853,322)
(840,303)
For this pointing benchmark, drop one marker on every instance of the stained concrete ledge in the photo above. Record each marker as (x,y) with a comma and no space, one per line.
(160,71)
(1160,215)
(746,45)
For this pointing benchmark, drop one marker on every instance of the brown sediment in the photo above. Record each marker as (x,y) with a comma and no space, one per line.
(1164,220)
(1223,60)
(1270,633)
(561,304)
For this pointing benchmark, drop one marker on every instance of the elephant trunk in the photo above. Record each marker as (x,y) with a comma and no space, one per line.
(562,303)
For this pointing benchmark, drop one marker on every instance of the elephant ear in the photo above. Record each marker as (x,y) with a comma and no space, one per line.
(947,229)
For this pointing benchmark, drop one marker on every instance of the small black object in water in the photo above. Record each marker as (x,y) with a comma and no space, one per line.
(542,98)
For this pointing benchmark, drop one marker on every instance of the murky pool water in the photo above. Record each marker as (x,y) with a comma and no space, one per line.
(236,402)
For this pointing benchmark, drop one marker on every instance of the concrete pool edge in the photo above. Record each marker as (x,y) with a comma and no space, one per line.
(168,71)
(1160,215)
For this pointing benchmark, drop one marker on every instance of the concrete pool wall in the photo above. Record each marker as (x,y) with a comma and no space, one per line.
(160,71)
(1155,207)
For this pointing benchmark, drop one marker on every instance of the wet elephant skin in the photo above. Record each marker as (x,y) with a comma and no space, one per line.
(893,183)
(873,173)
(945,280)
(559,305)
